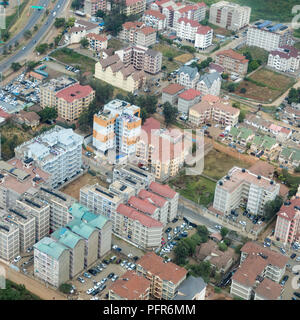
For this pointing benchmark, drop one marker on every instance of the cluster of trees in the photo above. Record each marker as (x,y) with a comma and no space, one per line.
(203,64)
(63,23)
(292,182)
(48,114)
(77,4)
(42,48)
(294,95)
(16,66)
(272,207)
(15,291)
(170,113)
(242,114)
(253,63)
(65,288)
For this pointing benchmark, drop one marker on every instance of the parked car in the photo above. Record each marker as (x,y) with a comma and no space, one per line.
(110,275)
(168,230)
(17,259)
(284,280)
(293,256)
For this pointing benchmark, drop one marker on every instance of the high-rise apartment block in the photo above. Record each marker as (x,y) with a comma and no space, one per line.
(9,239)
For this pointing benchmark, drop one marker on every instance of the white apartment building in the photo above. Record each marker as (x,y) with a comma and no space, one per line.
(203,37)
(284,59)
(137,227)
(194,12)
(241,186)
(188,77)
(269,37)
(186,29)
(229,15)
(9,240)
(155,19)
(122,190)
(210,83)
(51,262)
(57,151)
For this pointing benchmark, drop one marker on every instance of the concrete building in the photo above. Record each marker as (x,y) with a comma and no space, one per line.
(288,222)
(9,240)
(123,191)
(171,92)
(57,151)
(30,119)
(284,59)
(203,37)
(191,288)
(241,186)
(97,42)
(268,290)
(79,31)
(186,29)
(137,227)
(188,77)
(75,244)
(187,99)
(130,287)
(232,62)
(155,19)
(138,34)
(145,207)
(51,262)
(267,36)
(134,7)
(229,15)
(210,83)
(196,12)
(289,157)
(92,6)
(165,277)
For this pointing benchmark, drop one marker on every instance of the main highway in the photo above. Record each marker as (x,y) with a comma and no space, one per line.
(5,64)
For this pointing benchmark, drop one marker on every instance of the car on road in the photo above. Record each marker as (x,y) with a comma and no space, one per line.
(89,291)
(218,227)
(130,255)
(114,278)
(293,256)
(23,48)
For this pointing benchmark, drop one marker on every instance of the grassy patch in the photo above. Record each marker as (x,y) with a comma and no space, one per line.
(15,291)
(297,45)
(183,58)
(256,53)
(10,20)
(167,50)
(115,44)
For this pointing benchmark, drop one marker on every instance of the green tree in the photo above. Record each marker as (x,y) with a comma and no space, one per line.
(203,269)
(170,113)
(242,116)
(225,76)
(16,66)
(297,169)
(59,22)
(243,90)
(48,114)
(65,288)
(180,253)
(222,246)
(100,14)
(253,65)
(231,87)
(70,23)
(42,48)
(272,207)
(84,42)
(27,34)
(224,232)
(203,233)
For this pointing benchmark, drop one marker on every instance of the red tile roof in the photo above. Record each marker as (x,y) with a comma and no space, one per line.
(135,215)
(288,212)
(155,14)
(4,114)
(190,94)
(74,92)
(233,55)
(142,205)
(131,24)
(193,23)
(204,30)
(152,198)
(163,190)
(173,88)
(165,271)
(147,30)
(131,2)
(269,289)
(97,37)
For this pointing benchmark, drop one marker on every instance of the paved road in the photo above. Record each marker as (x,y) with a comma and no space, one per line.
(41,32)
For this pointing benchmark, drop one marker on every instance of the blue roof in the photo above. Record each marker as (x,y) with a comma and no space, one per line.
(81,228)
(50,247)
(66,237)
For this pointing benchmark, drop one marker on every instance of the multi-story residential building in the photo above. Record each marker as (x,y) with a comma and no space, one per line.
(232,62)
(59,204)
(130,287)
(92,6)
(256,265)
(169,194)
(240,136)
(212,108)
(40,210)
(75,244)
(113,71)
(165,277)
(134,7)
(102,224)
(265,146)
(171,92)
(229,15)
(57,151)
(268,290)
(141,58)
(187,99)
(240,186)
(155,19)
(186,29)
(30,119)
(145,207)
(97,42)
(16,178)
(194,12)
(203,37)
(79,31)
(99,200)
(191,288)
(284,59)
(49,89)
(188,77)
(117,128)
(288,222)
(9,240)
(138,34)
(137,227)
(51,262)
(289,157)
(210,83)
(269,37)
(123,191)
(71,101)
(26,224)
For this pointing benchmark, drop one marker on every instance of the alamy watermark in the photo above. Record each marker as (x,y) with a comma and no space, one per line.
(2,278)
(2,17)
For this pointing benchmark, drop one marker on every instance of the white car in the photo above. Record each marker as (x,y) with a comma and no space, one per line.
(115,247)
(130,255)
(298,259)
(17,259)
(89,291)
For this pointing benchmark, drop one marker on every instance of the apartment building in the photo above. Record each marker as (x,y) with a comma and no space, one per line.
(92,6)
(165,277)
(49,89)
(75,244)
(99,200)
(171,92)
(164,191)
(212,108)
(79,31)
(117,127)
(241,186)
(123,191)
(141,58)
(203,37)
(51,262)
(191,288)
(241,135)
(138,34)
(188,77)
(40,210)
(265,146)
(287,227)
(16,178)
(134,7)
(187,99)
(9,240)
(72,100)
(284,59)
(101,223)
(232,62)
(57,151)
(59,204)
(97,42)
(144,206)
(267,36)
(113,71)
(289,157)
(130,287)
(256,265)
(268,290)
(229,15)
(135,226)
(26,224)
(186,29)
(155,19)
(210,83)
(194,12)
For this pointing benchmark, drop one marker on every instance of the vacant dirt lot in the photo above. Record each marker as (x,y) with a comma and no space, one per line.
(211,295)
(183,58)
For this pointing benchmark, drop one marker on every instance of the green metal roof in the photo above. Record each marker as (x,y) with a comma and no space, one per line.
(265,142)
(81,228)
(50,247)
(241,133)
(291,154)
(66,237)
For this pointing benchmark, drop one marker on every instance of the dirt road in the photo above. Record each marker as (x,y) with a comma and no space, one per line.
(32,285)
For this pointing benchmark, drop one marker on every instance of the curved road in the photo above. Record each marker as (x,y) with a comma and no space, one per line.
(4,65)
